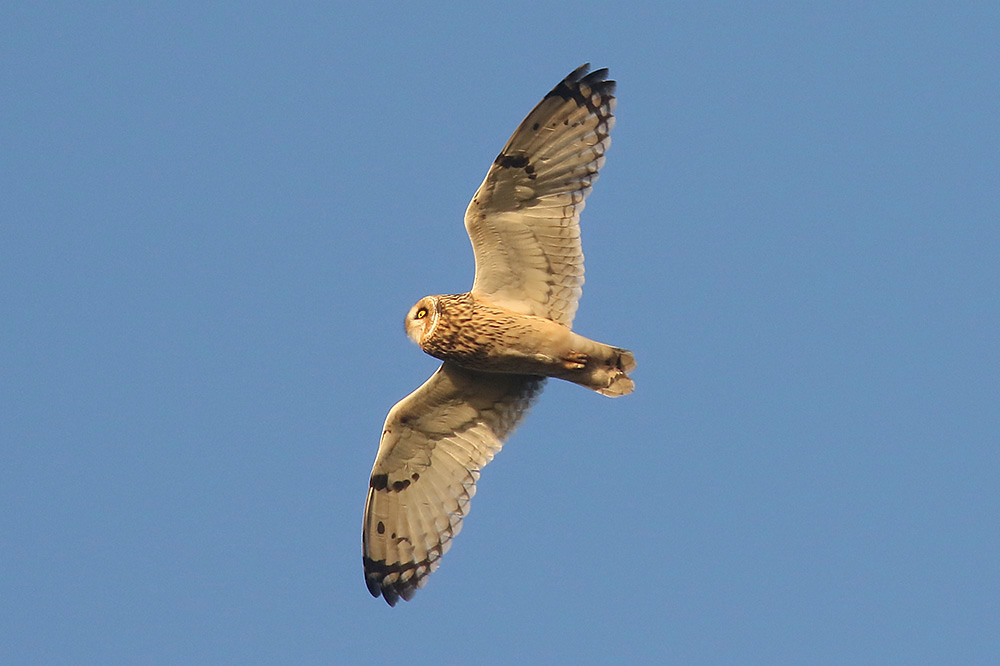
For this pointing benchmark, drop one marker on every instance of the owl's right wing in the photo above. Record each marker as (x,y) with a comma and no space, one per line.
(524,221)
(434,443)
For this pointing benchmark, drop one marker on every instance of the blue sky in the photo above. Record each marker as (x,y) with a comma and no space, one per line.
(213,220)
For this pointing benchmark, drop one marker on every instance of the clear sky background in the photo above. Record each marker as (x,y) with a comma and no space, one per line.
(213,220)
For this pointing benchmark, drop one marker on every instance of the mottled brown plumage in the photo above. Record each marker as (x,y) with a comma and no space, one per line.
(500,341)
(477,335)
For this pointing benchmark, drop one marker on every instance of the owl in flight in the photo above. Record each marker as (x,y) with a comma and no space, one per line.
(498,342)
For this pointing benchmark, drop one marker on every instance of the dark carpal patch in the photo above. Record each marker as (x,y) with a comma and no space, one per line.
(511,161)
(516,162)
(379,481)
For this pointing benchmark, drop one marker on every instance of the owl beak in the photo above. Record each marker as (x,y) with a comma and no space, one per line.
(413,329)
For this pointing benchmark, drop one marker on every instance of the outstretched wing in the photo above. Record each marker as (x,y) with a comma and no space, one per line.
(524,220)
(434,443)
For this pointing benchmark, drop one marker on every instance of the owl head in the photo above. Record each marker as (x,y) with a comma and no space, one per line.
(422,319)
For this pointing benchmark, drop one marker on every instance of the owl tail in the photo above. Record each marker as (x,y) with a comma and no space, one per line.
(606,370)
(612,378)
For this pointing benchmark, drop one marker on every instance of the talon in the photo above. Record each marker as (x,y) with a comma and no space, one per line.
(575,360)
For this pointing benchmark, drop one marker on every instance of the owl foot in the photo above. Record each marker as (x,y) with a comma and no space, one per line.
(575,360)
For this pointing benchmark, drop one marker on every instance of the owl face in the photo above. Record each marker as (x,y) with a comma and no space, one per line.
(422,318)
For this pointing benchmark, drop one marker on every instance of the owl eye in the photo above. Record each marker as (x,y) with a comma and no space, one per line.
(421,313)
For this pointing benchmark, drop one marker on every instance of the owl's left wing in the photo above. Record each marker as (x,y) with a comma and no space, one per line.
(434,443)
(524,221)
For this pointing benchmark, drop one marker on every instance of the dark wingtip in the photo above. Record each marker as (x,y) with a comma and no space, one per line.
(372,582)
(579,72)
(600,83)
(390,596)
(375,575)
(375,588)
(597,81)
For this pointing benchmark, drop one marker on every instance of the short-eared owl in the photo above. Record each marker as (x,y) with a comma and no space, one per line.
(498,342)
